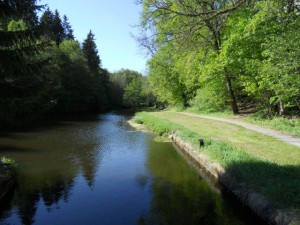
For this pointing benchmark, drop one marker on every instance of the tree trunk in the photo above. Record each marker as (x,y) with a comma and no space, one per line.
(233,102)
(281,108)
(297,103)
(217,45)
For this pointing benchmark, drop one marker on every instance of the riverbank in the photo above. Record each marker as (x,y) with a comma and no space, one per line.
(287,138)
(261,171)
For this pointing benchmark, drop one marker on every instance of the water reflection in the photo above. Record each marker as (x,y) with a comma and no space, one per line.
(48,163)
(179,195)
(101,172)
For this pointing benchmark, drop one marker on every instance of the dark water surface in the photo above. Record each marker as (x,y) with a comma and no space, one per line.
(101,171)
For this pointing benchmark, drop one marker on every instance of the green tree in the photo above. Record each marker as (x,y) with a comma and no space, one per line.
(75,94)
(116,89)
(133,94)
(165,79)
(20,77)
(97,73)
(188,24)
(68,31)
(89,48)
(129,88)
(19,9)
(46,23)
(52,27)
(261,49)
(58,29)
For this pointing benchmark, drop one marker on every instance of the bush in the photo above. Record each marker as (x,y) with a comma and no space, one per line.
(209,100)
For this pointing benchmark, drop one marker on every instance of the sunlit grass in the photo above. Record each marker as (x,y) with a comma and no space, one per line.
(287,125)
(261,146)
(284,124)
(224,114)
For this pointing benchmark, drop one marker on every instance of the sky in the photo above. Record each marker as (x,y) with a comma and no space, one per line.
(112,22)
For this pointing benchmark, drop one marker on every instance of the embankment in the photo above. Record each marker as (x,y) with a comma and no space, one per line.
(186,140)
(256,202)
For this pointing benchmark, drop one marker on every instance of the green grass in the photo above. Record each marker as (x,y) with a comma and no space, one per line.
(284,124)
(261,146)
(278,181)
(287,125)
(224,114)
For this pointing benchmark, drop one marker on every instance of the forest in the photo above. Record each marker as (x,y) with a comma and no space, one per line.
(236,55)
(46,72)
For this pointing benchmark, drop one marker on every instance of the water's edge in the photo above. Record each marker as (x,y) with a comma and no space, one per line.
(254,201)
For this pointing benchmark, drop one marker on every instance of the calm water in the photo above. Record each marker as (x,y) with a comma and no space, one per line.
(101,171)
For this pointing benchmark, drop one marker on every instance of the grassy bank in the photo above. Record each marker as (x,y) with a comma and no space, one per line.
(268,166)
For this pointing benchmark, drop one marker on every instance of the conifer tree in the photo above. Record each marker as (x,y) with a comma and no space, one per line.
(52,27)
(68,31)
(46,23)
(20,9)
(58,30)
(19,50)
(89,48)
(15,44)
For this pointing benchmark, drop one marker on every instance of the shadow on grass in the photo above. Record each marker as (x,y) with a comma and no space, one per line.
(280,183)
(280,186)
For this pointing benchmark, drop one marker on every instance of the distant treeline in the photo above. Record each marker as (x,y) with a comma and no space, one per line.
(45,71)
(216,55)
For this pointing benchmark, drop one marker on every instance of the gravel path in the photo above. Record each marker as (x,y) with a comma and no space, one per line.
(267,131)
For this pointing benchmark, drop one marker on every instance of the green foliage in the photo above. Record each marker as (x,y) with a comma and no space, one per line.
(8,160)
(129,88)
(53,28)
(20,9)
(165,79)
(133,94)
(249,55)
(19,25)
(20,75)
(39,78)
(68,31)
(79,90)
(90,51)
(263,51)
(209,100)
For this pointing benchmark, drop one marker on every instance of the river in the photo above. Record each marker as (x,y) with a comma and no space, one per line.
(98,170)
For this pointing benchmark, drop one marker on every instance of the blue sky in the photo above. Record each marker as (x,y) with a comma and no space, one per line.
(111,21)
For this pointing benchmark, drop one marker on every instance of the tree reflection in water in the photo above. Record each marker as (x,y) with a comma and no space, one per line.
(180,196)
(46,176)
(94,172)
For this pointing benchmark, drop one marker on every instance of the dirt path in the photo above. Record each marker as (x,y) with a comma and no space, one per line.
(280,136)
